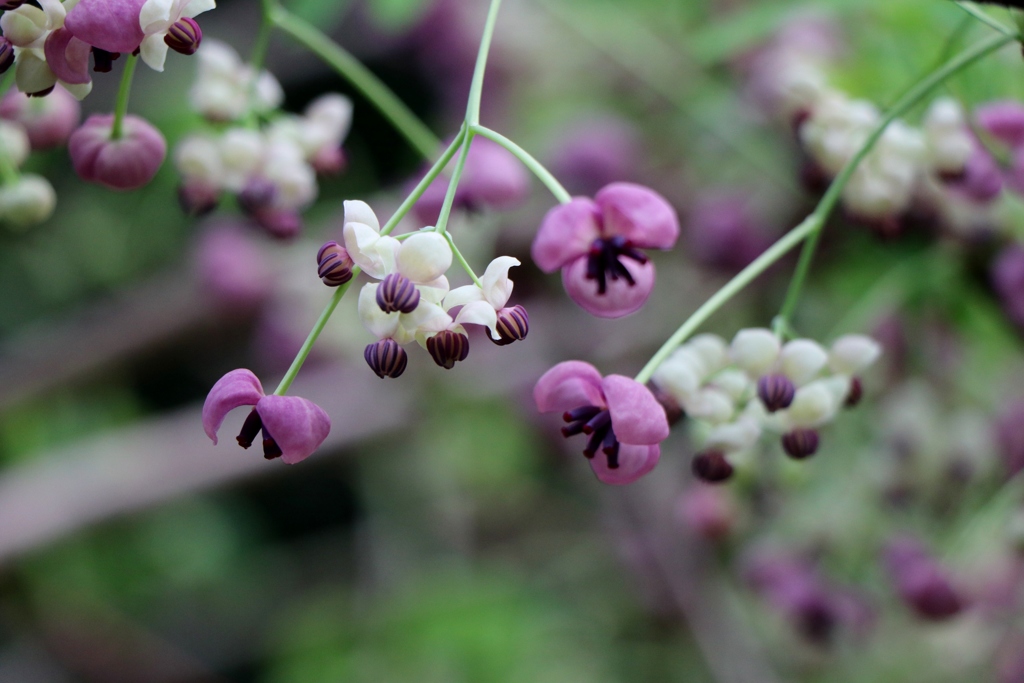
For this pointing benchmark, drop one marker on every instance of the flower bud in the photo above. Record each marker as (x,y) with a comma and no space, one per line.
(334,266)
(755,350)
(853,353)
(280,223)
(184,36)
(14,144)
(920,580)
(28,201)
(513,325)
(814,404)
(386,358)
(197,198)
(712,467)
(127,163)
(397,294)
(800,444)
(776,392)
(257,195)
(802,359)
(448,347)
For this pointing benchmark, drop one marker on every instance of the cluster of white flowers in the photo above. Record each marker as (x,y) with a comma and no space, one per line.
(734,392)
(412,299)
(25,199)
(271,169)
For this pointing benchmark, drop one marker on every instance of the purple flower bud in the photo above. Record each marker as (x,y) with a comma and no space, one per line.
(982,179)
(386,358)
(776,392)
(711,467)
(513,325)
(920,581)
(6,55)
(257,195)
(800,444)
(397,294)
(184,36)
(127,163)
(280,223)
(197,198)
(334,265)
(447,347)
(49,122)
(329,161)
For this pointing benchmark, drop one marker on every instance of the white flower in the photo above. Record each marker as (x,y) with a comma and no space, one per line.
(223,90)
(802,359)
(294,179)
(480,304)
(734,436)
(242,153)
(814,404)
(365,245)
(157,17)
(28,26)
(28,201)
(837,128)
(427,319)
(711,404)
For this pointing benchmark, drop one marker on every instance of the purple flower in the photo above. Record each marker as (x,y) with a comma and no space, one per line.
(597,245)
(594,153)
(920,580)
(721,232)
(127,163)
(620,416)
(49,121)
(292,427)
(233,267)
(493,178)
(111,25)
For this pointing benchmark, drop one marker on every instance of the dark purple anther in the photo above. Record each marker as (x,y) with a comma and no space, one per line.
(257,196)
(6,55)
(250,428)
(103,61)
(513,325)
(446,347)
(596,423)
(184,36)
(386,358)
(712,467)
(334,265)
(397,294)
(776,392)
(800,443)
(855,394)
(603,261)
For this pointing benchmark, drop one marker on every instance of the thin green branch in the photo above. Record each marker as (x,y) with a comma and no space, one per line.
(535,167)
(462,260)
(429,178)
(477,85)
(123,94)
(984,18)
(453,184)
(361,78)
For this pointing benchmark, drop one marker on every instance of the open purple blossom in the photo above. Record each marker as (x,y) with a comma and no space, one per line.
(622,420)
(125,163)
(597,243)
(293,427)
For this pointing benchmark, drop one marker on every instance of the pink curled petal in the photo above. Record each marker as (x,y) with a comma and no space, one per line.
(1004,120)
(637,417)
(68,57)
(620,298)
(297,424)
(639,214)
(566,234)
(634,462)
(237,388)
(568,386)
(111,25)
(124,164)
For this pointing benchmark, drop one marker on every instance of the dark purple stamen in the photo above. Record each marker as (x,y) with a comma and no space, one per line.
(184,36)
(270,448)
(800,443)
(855,394)
(776,392)
(597,424)
(386,358)
(447,347)
(712,467)
(6,54)
(250,428)
(512,326)
(334,265)
(603,261)
(397,294)
(103,61)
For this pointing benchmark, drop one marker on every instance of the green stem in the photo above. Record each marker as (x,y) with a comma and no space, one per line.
(453,184)
(314,334)
(477,85)
(262,44)
(401,117)
(812,225)
(538,169)
(731,289)
(986,19)
(8,171)
(123,93)
(429,178)
(912,97)
(462,260)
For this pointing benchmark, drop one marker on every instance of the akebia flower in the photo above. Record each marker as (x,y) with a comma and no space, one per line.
(597,243)
(293,427)
(170,24)
(623,421)
(125,163)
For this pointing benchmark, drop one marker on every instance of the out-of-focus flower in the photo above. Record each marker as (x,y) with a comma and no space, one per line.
(293,427)
(921,581)
(1008,282)
(597,245)
(27,201)
(48,121)
(593,153)
(707,511)
(623,421)
(127,163)
(224,91)
(232,267)
(722,233)
(170,23)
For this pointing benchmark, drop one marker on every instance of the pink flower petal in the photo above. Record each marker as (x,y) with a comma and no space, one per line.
(634,462)
(568,386)
(620,298)
(298,425)
(637,417)
(640,214)
(237,388)
(111,25)
(566,234)
(124,164)
(68,57)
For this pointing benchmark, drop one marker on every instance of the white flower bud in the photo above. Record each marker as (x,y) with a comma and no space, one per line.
(14,142)
(424,257)
(755,350)
(802,359)
(853,353)
(678,377)
(28,201)
(734,382)
(947,136)
(734,436)
(25,26)
(710,404)
(241,154)
(813,405)
(712,351)
(198,157)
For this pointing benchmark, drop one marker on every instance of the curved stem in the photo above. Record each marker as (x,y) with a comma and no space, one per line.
(913,96)
(986,19)
(813,224)
(420,188)
(123,94)
(362,79)
(453,184)
(477,85)
(262,44)
(535,167)
(314,334)
(462,260)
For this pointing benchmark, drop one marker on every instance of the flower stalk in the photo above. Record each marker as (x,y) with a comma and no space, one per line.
(123,95)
